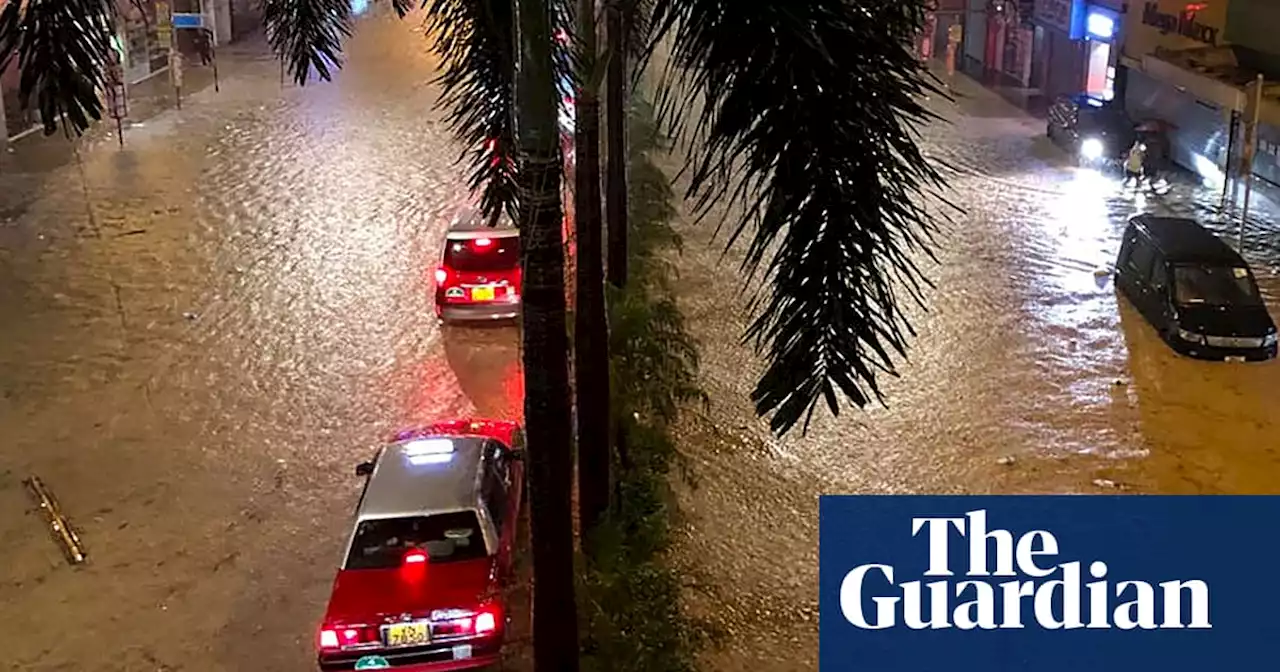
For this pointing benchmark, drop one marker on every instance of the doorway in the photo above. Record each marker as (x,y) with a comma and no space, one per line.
(1100,77)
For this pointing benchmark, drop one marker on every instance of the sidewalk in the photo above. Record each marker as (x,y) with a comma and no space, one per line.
(38,153)
(1191,195)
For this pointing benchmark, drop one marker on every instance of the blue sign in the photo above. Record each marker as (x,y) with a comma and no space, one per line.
(1050,584)
(188,20)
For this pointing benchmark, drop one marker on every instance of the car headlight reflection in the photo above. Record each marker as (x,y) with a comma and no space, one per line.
(1269,340)
(1092,149)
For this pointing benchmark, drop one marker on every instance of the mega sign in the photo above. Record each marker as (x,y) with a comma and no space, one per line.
(1184,24)
(1054,584)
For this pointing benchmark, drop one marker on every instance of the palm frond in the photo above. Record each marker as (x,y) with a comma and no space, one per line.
(307,35)
(808,118)
(475,40)
(61,47)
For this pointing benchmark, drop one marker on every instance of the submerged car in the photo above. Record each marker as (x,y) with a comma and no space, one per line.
(479,273)
(1095,130)
(1197,292)
(420,585)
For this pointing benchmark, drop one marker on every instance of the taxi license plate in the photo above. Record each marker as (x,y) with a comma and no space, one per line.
(1234,358)
(482,293)
(409,634)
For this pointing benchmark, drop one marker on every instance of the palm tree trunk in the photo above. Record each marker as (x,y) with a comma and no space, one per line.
(545,345)
(591,336)
(616,154)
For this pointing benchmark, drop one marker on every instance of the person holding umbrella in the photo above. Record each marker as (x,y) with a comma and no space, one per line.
(1135,163)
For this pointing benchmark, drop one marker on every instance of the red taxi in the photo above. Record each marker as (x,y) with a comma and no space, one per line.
(479,274)
(420,586)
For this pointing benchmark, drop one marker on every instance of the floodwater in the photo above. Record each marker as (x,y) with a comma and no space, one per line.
(197,354)
(196,369)
(1029,375)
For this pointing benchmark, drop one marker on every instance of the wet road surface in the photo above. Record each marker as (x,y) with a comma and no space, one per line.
(1029,376)
(195,368)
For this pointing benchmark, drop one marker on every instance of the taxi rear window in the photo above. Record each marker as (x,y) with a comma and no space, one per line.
(482,255)
(445,537)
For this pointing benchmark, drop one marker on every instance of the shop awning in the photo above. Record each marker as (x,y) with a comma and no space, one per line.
(1219,75)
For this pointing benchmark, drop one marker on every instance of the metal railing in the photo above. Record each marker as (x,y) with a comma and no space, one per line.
(59,527)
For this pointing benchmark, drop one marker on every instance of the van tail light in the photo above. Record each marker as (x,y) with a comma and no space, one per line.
(442,276)
(329,639)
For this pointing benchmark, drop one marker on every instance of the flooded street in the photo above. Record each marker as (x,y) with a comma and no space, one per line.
(196,369)
(196,355)
(1029,375)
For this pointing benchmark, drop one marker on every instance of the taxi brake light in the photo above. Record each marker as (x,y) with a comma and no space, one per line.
(350,635)
(329,639)
(483,242)
(415,557)
(442,276)
(486,622)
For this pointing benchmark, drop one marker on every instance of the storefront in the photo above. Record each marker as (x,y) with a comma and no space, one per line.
(975,37)
(938,23)
(138,44)
(1074,47)
(1177,73)
(1101,33)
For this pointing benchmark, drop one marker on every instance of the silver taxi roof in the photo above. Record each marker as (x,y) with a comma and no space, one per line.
(470,225)
(401,487)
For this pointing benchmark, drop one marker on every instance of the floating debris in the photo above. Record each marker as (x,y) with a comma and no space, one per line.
(1007,460)
(59,526)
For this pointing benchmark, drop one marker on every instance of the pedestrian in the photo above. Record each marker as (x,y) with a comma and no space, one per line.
(1157,159)
(1134,164)
(204,46)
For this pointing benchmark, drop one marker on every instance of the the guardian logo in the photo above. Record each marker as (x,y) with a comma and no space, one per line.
(1053,595)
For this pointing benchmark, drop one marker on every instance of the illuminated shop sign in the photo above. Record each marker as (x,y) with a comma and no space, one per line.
(1184,23)
(1101,24)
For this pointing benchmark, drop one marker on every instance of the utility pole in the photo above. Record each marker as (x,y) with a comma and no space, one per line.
(1250,147)
(117,102)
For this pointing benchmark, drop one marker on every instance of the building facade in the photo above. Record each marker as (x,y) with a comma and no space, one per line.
(1075,46)
(998,43)
(143,48)
(1194,66)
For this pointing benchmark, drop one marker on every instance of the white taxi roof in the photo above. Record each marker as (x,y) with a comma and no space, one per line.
(470,224)
(425,475)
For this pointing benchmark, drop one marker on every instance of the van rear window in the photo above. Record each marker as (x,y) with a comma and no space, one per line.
(482,255)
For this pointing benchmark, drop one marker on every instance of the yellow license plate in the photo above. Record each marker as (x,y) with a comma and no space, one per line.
(481,293)
(409,634)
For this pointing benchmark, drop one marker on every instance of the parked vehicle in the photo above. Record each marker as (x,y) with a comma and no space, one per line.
(1195,290)
(1095,130)
(479,273)
(432,546)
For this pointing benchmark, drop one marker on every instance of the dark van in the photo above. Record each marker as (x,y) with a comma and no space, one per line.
(1195,290)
